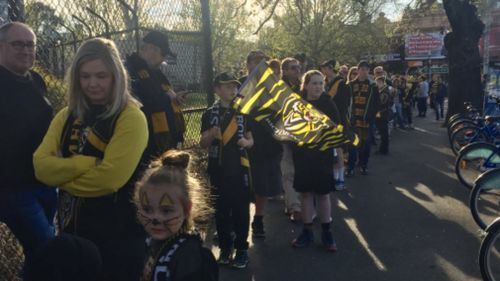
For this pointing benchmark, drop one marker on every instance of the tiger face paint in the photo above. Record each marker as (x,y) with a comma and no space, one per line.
(160,211)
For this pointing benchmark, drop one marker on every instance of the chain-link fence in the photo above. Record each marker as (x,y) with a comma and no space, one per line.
(62,25)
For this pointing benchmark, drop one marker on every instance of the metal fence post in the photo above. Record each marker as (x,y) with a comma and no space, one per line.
(16,11)
(207,43)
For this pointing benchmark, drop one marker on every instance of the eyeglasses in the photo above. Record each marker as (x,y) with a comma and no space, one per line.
(20,45)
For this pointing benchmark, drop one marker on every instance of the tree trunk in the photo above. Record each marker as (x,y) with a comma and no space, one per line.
(463,56)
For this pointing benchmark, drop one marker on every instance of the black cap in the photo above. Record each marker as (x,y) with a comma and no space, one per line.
(331,63)
(256,56)
(301,57)
(160,40)
(363,63)
(226,78)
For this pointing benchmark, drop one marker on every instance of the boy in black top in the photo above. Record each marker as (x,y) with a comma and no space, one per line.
(382,118)
(338,91)
(365,104)
(336,88)
(225,134)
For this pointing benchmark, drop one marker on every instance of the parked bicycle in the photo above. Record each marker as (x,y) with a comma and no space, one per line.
(489,253)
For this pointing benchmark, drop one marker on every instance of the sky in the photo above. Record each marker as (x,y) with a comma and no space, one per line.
(393,10)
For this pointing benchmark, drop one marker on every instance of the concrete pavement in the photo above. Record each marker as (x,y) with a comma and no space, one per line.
(407,220)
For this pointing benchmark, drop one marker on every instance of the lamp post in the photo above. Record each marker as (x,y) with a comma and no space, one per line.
(429,61)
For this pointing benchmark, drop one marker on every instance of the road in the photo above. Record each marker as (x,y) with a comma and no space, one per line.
(408,220)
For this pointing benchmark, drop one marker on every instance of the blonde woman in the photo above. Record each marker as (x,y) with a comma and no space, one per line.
(91,152)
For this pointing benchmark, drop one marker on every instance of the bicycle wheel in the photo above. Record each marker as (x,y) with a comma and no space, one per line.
(489,253)
(475,159)
(464,136)
(457,116)
(459,124)
(484,201)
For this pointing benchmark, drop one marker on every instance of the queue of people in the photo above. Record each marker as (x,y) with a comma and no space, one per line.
(126,196)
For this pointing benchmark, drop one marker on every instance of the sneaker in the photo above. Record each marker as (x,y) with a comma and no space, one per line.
(364,171)
(305,239)
(258,229)
(349,173)
(224,257)
(328,241)
(240,259)
(339,185)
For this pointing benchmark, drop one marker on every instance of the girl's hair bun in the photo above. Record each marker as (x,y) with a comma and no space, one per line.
(175,158)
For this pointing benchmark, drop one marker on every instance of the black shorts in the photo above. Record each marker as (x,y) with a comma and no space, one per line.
(266,175)
(315,177)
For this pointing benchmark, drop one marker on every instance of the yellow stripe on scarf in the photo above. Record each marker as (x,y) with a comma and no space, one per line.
(159,121)
(96,142)
(229,131)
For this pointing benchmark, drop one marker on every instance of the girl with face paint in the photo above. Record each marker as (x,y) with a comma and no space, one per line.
(168,202)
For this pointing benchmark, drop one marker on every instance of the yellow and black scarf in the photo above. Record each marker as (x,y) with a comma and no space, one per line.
(88,137)
(231,123)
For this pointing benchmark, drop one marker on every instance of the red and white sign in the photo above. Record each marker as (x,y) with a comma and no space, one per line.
(424,46)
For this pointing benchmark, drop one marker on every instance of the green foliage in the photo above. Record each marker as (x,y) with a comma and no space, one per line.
(340,29)
(230,22)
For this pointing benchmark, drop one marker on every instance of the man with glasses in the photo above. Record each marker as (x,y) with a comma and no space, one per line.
(26,205)
(291,74)
(161,104)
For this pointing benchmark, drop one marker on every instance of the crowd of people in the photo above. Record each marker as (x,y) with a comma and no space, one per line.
(128,204)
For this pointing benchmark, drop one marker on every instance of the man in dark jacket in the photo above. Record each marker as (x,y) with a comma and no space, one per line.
(265,158)
(161,104)
(26,205)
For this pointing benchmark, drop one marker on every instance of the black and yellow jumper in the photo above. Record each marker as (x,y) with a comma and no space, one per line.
(365,105)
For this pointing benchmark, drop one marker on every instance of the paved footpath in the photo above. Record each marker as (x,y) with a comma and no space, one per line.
(407,220)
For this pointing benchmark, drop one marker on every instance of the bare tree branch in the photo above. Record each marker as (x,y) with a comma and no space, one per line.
(273,10)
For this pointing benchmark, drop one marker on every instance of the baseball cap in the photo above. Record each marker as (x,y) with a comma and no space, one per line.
(226,78)
(160,40)
(363,63)
(331,63)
